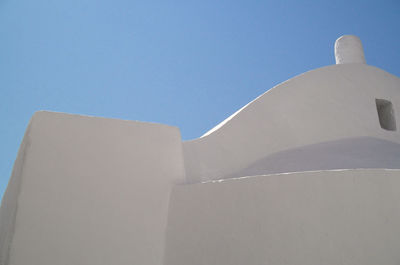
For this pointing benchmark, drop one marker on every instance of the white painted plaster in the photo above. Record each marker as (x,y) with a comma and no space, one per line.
(349,49)
(327,104)
(94,191)
(88,190)
(9,203)
(359,152)
(325,217)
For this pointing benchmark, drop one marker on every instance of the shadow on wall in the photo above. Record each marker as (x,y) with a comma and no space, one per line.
(386,115)
(350,153)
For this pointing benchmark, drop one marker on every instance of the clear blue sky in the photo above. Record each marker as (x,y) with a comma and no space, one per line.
(184,63)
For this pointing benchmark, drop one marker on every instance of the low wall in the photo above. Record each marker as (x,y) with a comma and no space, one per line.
(314,218)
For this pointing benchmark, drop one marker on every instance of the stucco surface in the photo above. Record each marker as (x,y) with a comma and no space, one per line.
(359,152)
(94,191)
(9,203)
(349,49)
(327,104)
(88,190)
(315,218)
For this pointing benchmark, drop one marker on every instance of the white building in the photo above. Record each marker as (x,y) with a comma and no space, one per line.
(307,173)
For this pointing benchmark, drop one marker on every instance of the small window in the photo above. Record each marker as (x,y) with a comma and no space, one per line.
(387,119)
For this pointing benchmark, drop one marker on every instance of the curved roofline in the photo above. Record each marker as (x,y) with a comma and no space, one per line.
(236,113)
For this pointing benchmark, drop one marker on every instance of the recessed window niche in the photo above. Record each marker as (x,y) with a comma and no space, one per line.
(387,119)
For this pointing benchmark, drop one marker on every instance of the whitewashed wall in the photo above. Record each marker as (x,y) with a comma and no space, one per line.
(313,218)
(88,190)
(92,191)
(9,203)
(327,104)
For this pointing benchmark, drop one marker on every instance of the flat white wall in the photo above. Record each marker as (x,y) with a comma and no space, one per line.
(8,209)
(314,218)
(94,191)
(327,104)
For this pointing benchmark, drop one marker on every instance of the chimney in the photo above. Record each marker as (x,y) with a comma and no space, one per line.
(348,49)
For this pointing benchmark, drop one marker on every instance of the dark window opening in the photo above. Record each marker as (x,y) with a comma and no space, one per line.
(387,119)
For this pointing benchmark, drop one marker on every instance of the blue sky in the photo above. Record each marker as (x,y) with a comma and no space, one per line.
(184,63)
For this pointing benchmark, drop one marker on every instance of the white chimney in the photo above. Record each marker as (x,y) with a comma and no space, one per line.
(348,49)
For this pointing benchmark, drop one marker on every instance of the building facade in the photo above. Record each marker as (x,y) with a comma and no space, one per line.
(307,173)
